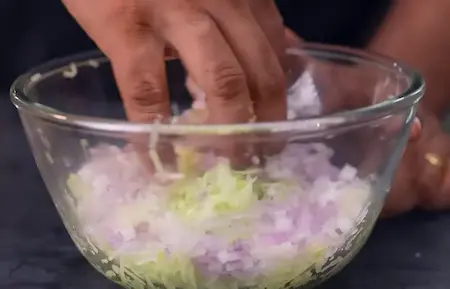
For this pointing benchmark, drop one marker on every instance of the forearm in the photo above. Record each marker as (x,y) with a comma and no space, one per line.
(418,32)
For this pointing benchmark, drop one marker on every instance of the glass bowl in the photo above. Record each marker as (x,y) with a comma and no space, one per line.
(161,206)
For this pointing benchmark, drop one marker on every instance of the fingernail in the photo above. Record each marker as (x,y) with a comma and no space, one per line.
(195,90)
(416,130)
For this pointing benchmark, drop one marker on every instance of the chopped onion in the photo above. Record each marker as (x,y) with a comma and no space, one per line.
(218,227)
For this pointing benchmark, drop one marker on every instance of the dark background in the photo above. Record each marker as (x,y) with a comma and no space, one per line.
(410,252)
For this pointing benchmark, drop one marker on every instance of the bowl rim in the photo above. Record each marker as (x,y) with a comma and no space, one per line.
(404,100)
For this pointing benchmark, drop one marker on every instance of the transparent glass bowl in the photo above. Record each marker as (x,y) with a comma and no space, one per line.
(297,212)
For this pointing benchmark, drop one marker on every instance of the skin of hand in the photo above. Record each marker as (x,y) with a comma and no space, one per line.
(417,32)
(233,49)
(422,179)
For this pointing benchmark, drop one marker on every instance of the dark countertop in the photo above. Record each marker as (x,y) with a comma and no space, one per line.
(36,253)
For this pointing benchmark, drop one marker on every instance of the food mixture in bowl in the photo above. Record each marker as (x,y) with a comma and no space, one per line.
(217,227)
(292,218)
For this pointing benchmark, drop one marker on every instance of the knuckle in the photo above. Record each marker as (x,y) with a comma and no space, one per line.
(145,93)
(191,19)
(199,23)
(196,19)
(228,81)
(133,18)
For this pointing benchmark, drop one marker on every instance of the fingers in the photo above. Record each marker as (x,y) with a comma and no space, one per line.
(433,155)
(121,31)
(294,69)
(423,177)
(137,56)
(209,60)
(416,130)
(443,198)
(403,195)
(231,75)
(240,75)
(271,23)
(259,45)
(140,75)
(266,26)
(258,59)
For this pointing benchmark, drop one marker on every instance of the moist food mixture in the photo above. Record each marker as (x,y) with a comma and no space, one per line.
(210,226)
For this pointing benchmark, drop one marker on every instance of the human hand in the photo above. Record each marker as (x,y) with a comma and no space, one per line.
(423,177)
(232,48)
